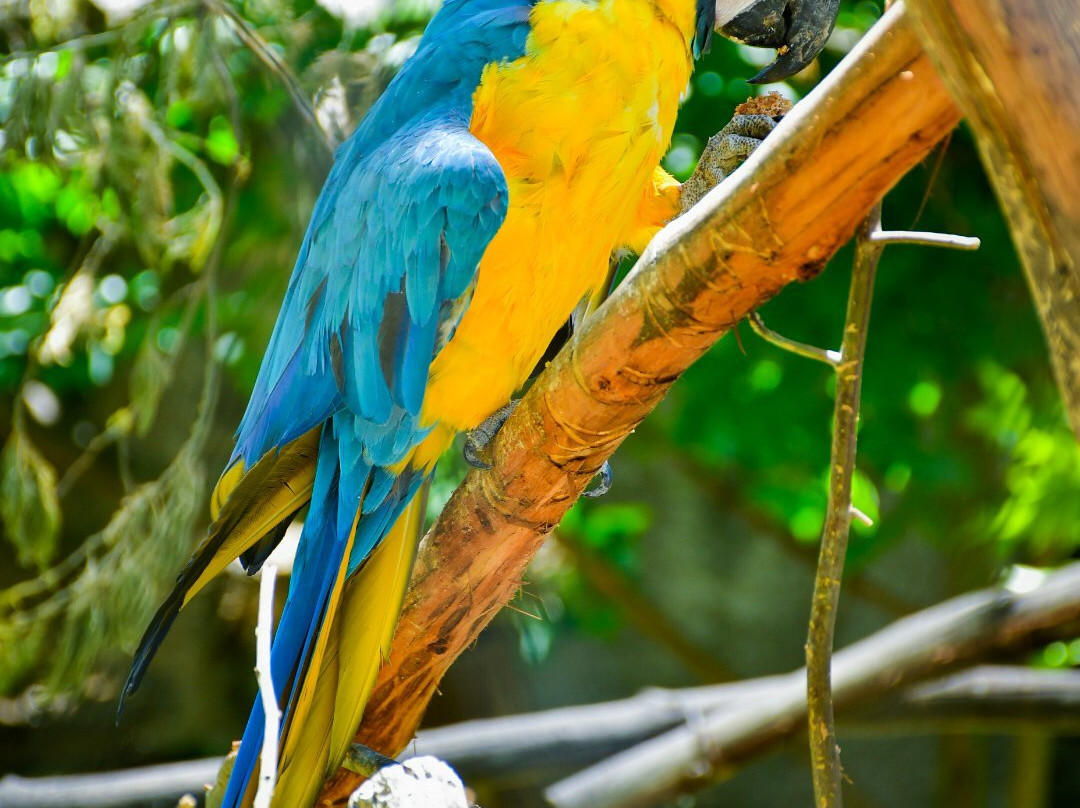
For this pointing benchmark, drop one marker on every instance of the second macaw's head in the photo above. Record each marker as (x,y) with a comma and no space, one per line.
(798,29)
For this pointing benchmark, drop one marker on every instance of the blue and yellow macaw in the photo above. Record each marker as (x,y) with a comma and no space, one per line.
(473,209)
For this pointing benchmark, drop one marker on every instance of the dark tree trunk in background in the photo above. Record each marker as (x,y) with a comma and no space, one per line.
(1014,68)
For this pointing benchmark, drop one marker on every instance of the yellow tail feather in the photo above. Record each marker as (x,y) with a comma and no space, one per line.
(354,640)
(250,503)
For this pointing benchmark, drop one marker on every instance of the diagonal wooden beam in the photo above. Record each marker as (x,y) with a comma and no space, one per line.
(1012,65)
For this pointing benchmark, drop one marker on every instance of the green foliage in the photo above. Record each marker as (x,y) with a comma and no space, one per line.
(600,534)
(150,152)
(110,601)
(611,529)
(99,599)
(28,502)
(126,145)
(1039,516)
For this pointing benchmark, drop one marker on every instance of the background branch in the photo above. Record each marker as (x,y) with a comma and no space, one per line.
(988,699)
(937,639)
(875,689)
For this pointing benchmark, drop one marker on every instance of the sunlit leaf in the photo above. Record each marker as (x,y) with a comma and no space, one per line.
(221,143)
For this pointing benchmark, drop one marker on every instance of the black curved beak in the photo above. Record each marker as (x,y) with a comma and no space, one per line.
(798,29)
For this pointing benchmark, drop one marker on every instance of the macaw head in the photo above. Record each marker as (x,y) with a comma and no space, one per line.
(798,29)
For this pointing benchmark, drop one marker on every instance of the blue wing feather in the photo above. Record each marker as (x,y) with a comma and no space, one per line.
(384,273)
(422,228)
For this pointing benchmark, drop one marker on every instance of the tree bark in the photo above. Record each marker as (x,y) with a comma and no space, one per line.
(777,220)
(1012,65)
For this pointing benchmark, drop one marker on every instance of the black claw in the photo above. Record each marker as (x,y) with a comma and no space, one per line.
(477,440)
(603,485)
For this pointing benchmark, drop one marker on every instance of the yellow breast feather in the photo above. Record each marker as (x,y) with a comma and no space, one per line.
(579,125)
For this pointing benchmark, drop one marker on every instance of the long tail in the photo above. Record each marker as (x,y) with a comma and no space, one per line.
(335,628)
(252,509)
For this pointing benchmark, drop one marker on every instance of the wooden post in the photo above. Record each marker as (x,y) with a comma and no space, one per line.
(1014,68)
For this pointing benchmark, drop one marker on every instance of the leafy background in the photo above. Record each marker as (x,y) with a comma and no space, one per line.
(157,168)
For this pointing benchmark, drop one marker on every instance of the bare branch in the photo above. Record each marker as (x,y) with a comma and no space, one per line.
(824,751)
(928,239)
(937,639)
(830,358)
(125,789)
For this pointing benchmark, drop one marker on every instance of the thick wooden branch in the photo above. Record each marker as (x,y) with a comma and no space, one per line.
(775,221)
(1013,65)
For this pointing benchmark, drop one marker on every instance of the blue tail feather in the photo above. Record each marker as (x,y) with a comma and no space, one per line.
(320,555)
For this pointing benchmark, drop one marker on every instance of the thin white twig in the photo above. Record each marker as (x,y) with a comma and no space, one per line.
(929,239)
(263,632)
(862,517)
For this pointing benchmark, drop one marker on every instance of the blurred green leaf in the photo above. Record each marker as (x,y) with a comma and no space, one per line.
(150,376)
(534,638)
(924,398)
(221,143)
(108,604)
(28,501)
